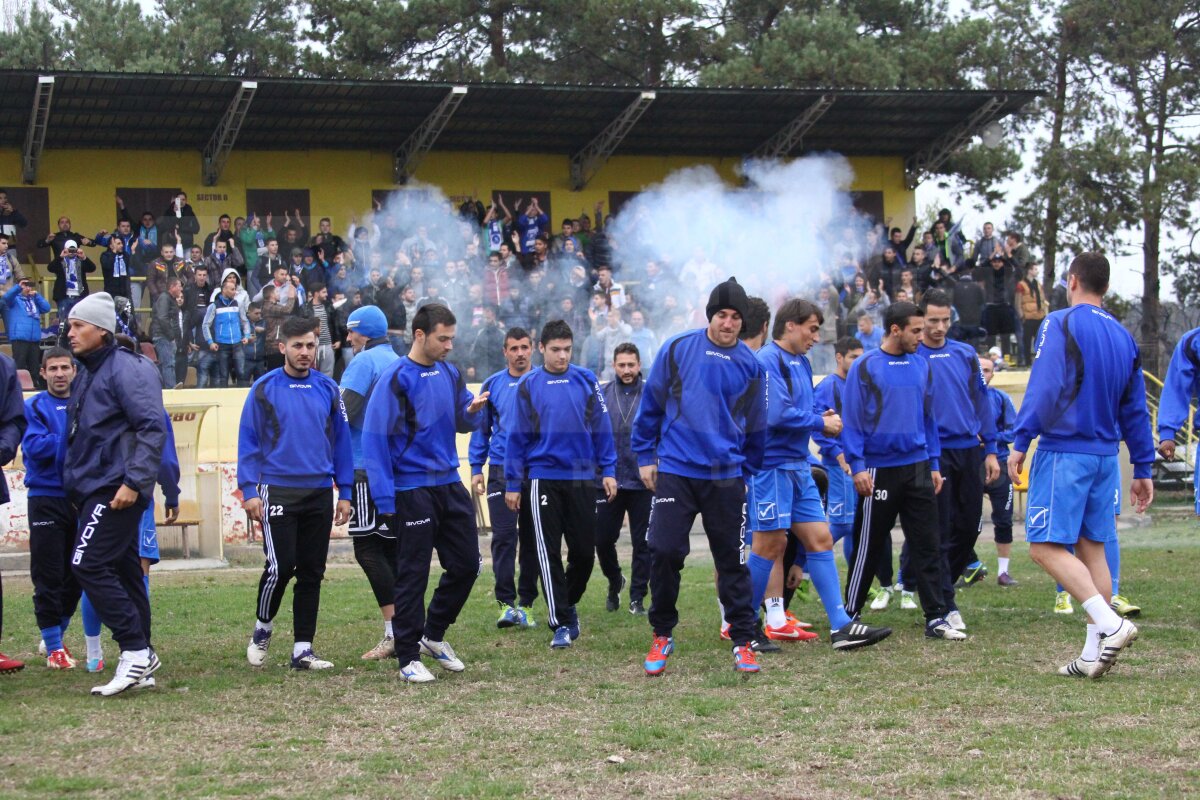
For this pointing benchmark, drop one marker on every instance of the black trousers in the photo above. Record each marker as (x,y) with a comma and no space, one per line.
(512,543)
(721,505)
(52,526)
(906,492)
(28,356)
(106,565)
(960,513)
(609,516)
(430,518)
(1030,328)
(377,557)
(296,527)
(557,511)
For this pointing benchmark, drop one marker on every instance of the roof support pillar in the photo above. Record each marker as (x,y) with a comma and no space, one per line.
(588,161)
(932,157)
(39,125)
(788,138)
(220,144)
(407,156)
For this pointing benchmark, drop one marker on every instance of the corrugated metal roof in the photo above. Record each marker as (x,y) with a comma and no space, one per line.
(140,111)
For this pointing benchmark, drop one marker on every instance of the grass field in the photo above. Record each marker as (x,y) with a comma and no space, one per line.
(909,718)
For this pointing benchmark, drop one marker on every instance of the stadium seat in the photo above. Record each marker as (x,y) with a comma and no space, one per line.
(189,517)
(26,380)
(149,352)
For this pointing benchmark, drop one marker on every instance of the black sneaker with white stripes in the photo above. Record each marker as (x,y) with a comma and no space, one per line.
(857,634)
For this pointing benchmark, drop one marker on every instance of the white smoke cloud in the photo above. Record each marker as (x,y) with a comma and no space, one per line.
(790,223)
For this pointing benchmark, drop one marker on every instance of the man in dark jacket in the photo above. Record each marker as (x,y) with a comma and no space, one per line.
(168,330)
(178,224)
(12,428)
(633,498)
(57,241)
(116,430)
(69,268)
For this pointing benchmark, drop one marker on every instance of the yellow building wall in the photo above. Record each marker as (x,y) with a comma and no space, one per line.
(81,182)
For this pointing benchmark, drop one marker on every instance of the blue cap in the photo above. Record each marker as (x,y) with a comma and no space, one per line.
(368,321)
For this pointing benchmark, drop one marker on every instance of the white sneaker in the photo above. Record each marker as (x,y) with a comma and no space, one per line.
(443,653)
(415,672)
(1077,668)
(956,621)
(1111,647)
(128,675)
(907,601)
(256,651)
(309,660)
(940,629)
(882,598)
(385,649)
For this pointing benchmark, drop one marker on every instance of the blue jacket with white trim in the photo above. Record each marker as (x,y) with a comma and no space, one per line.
(887,412)
(964,413)
(489,441)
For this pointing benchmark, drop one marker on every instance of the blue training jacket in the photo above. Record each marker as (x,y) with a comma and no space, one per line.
(1086,391)
(294,433)
(489,441)
(704,411)
(409,428)
(964,414)
(887,412)
(561,429)
(1006,417)
(1180,386)
(791,416)
(115,425)
(360,378)
(828,394)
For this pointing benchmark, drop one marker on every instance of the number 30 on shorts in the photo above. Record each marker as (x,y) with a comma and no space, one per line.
(881,495)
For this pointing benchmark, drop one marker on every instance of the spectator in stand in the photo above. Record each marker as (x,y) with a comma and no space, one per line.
(487,348)
(604,283)
(529,225)
(147,239)
(252,239)
(265,267)
(642,337)
(433,295)
(331,244)
(223,233)
(274,315)
(874,303)
(127,323)
(821,354)
(493,226)
(614,332)
(559,243)
(539,257)
(900,243)
(1032,309)
(57,241)
(70,271)
(10,265)
(969,301)
(516,311)
(197,298)
(999,316)
(226,329)
(23,309)
(329,335)
(169,332)
(178,223)
(285,291)
(1017,252)
(868,334)
(987,245)
(161,271)
(254,350)
(12,221)
(223,258)
(193,261)
(571,314)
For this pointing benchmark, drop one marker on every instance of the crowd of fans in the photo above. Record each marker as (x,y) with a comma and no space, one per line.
(217,300)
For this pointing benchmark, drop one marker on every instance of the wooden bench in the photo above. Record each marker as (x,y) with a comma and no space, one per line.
(189,517)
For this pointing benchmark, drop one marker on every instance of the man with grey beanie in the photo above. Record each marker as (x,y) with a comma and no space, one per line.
(116,430)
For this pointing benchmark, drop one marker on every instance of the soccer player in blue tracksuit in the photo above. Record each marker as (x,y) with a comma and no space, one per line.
(374,546)
(622,396)
(1000,493)
(560,439)
(964,417)
(293,448)
(782,496)
(1086,393)
(512,537)
(115,439)
(841,500)
(12,425)
(411,455)
(52,520)
(1174,406)
(698,435)
(890,438)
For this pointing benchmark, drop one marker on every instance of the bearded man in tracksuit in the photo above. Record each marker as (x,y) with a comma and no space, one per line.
(116,431)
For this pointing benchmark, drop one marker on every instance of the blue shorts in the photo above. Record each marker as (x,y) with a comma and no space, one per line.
(1072,495)
(148,536)
(842,499)
(778,498)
